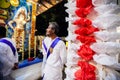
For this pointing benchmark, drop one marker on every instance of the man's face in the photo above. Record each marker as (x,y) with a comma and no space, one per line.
(49,31)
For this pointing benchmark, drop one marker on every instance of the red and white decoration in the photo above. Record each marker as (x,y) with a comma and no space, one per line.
(93,40)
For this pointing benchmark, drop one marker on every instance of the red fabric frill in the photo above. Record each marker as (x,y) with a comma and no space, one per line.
(86,52)
(87,71)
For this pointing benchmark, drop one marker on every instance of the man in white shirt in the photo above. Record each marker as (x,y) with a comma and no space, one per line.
(8,55)
(54,51)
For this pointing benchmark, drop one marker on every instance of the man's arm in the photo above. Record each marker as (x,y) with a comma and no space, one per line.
(16,61)
(3,57)
(63,53)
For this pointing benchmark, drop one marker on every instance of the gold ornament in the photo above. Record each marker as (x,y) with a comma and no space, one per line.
(51,49)
(14,2)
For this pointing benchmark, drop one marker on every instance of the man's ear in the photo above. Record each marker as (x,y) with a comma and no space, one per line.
(53,30)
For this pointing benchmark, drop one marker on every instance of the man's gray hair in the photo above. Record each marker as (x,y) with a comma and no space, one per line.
(55,26)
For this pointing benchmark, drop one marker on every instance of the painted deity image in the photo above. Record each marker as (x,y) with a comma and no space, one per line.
(18,24)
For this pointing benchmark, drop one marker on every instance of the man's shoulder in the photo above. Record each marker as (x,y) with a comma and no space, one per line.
(10,40)
(3,46)
(61,42)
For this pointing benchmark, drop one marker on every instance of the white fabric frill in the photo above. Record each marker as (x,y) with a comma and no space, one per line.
(70,72)
(105,59)
(102,2)
(108,8)
(71,37)
(111,48)
(72,58)
(72,28)
(107,21)
(92,15)
(74,46)
(107,36)
(105,73)
(110,61)
(72,19)
(70,4)
(71,10)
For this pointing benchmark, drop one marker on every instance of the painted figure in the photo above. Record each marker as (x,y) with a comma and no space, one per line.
(19,21)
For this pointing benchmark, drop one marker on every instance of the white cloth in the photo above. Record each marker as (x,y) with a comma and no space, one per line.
(7,57)
(70,71)
(105,73)
(72,58)
(107,21)
(111,48)
(72,28)
(71,37)
(107,60)
(71,3)
(56,60)
(107,36)
(101,2)
(72,19)
(108,8)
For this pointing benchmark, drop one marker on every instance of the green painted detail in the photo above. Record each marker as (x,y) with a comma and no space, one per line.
(4,4)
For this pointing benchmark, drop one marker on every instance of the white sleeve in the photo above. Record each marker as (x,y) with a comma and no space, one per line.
(3,57)
(16,54)
(16,57)
(63,53)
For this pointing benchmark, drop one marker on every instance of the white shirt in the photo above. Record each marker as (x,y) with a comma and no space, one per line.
(7,57)
(55,61)
(58,56)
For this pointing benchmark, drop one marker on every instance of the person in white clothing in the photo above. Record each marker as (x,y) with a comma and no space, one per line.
(54,57)
(8,55)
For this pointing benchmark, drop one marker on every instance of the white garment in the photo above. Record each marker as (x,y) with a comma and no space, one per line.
(55,61)
(7,57)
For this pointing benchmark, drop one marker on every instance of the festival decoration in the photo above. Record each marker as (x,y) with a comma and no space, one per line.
(93,40)
(21,27)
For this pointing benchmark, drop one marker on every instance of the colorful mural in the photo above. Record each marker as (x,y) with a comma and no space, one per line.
(19,24)
(4,10)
